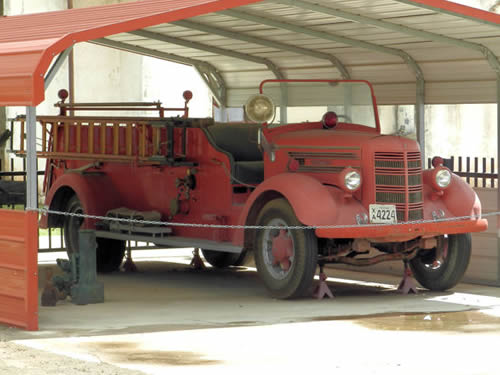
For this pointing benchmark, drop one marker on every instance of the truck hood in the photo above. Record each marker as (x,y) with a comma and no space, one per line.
(322,138)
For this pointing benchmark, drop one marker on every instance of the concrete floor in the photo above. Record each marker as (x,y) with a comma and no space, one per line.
(169,317)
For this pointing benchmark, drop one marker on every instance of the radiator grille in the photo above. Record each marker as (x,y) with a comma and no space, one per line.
(398,180)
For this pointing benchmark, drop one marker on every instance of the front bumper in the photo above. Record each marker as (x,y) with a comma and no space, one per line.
(404,231)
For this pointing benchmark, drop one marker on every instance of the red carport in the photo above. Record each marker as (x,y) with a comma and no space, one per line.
(414,51)
(28,44)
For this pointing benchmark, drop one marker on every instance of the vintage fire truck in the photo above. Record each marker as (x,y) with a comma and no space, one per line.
(331,189)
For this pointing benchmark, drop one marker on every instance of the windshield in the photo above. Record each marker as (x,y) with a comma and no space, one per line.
(308,101)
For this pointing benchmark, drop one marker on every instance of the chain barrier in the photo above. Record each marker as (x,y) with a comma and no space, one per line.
(228,226)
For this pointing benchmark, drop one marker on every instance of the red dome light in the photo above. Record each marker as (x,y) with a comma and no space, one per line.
(187,95)
(329,120)
(63,94)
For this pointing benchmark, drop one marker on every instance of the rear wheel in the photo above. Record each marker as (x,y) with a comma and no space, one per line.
(220,259)
(286,259)
(442,268)
(109,252)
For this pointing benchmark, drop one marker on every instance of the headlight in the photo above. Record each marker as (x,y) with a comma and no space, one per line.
(352,180)
(443,178)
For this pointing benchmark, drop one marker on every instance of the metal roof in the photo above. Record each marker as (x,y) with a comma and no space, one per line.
(407,48)
(28,43)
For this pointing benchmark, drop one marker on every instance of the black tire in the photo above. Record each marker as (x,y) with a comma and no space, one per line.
(295,279)
(221,259)
(450,270)
(109,252)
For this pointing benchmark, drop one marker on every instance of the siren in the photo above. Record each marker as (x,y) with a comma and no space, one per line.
(329,120)
(187,95)
(260,108)
(63,94)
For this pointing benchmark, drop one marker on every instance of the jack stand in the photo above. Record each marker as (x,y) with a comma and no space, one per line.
(129,265)
(197,262)
(86,289)
(407,285)
(322,289)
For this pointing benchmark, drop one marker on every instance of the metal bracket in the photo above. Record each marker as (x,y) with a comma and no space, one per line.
(56,66)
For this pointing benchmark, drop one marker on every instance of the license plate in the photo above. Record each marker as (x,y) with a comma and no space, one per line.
(383,214)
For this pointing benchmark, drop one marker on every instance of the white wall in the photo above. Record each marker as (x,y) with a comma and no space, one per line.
(13,7)
(166,81)
(475,135)
(482,4)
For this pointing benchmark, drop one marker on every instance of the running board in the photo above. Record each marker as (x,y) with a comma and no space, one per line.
(173,241)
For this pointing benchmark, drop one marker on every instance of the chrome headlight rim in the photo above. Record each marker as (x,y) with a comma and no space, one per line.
(352,180)
(442,178)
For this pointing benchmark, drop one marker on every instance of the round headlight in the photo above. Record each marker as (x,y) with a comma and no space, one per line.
(352,180)
(443,178)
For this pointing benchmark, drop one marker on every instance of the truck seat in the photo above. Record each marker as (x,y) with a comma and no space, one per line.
(240,140)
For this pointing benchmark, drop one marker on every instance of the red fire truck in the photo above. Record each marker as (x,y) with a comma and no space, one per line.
(332,189)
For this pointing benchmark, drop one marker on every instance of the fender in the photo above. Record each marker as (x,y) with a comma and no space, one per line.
(96,193)
(312,202)
(458,199)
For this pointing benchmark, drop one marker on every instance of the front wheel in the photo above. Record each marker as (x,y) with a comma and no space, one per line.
(442,268)
(109,252)
(286,259)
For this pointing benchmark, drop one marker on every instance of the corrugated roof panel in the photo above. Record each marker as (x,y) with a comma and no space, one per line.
(376,9)
(468,70)
(224,64)
(432,51)
(393,74)
(445,66)
(52,32)
(323,72)
(458,92)
(492,43)
(288,60)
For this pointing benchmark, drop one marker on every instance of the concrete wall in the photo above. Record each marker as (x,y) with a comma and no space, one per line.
(166,81)
(482,4)
(461,130)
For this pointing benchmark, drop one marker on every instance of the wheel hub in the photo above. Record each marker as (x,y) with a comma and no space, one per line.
(282,250)
(441,253)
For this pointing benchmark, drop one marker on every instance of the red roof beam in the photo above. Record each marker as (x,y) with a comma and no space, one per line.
(28,43)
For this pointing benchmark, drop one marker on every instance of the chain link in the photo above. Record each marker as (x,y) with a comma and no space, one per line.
(224,226)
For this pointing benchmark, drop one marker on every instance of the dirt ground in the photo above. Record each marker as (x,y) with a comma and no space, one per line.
(16,359)
(168,317)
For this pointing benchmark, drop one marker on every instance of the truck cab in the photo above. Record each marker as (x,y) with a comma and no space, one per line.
(324,190)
